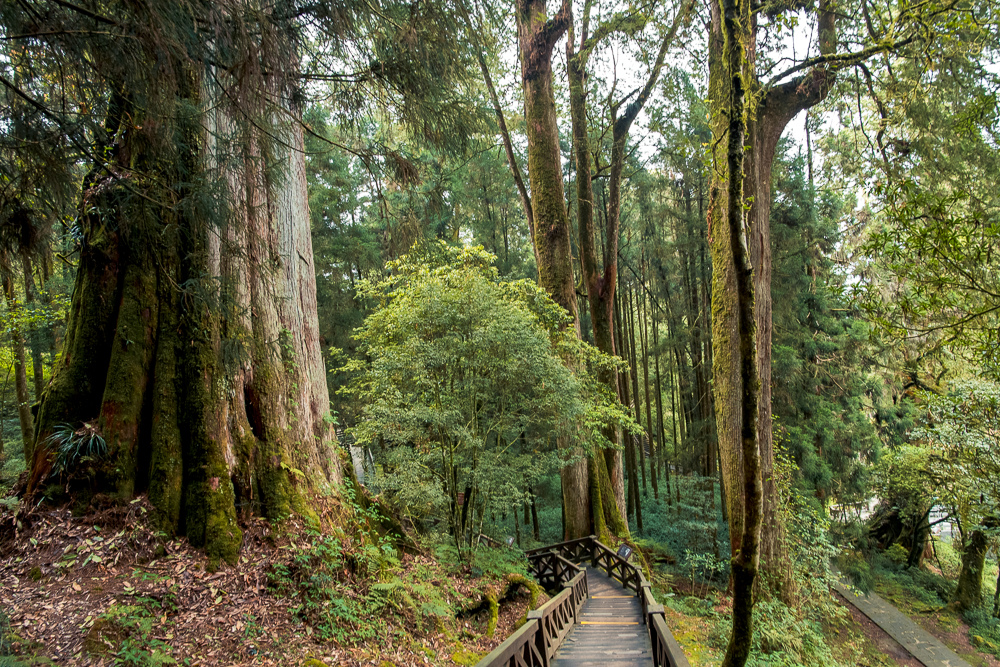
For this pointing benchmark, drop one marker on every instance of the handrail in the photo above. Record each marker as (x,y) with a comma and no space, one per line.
(666,651)
(555,566)
(535,642)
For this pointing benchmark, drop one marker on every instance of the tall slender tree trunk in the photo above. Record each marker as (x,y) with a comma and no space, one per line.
(537,34)
(660,434)
(634,364)
(34,339)
(24,416)
(649,409)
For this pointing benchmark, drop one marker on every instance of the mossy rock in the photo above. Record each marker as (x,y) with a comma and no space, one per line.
(104,637)
(35,573)
(386,663)
(465,657)
(313,662)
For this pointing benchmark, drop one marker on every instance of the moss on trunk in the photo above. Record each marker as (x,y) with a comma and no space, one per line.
(192,343)
(969,592)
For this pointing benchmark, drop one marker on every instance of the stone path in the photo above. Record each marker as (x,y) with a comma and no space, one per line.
(610,631)
(921,644)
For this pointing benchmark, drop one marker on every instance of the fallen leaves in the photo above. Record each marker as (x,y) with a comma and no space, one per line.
(93,565)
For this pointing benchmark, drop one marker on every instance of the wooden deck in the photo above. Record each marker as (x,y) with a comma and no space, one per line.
(610,631)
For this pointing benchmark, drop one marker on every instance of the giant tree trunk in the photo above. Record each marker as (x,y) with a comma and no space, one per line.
(600,293)
(192,343)
(537,35)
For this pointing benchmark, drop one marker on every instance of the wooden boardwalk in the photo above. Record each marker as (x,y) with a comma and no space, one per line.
(610,631)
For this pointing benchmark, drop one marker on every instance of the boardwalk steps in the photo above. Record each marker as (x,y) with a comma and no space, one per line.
(604,615)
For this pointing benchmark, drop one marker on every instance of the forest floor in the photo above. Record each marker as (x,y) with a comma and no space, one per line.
(107,589)
(942,621)
(698,617)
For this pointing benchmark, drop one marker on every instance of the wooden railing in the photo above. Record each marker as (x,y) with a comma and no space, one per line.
(535,642)
(666,651)
(555,567)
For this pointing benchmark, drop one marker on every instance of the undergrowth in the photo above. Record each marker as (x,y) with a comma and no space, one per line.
(926,590)
(352,587)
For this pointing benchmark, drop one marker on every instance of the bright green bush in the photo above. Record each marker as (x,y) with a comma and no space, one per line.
(469,383)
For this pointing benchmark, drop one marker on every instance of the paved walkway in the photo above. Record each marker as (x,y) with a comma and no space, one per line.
(610,632)
(921,644)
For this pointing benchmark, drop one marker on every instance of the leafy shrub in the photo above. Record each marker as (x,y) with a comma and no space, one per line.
(467,384)
(332,575)
(694,525)
(858,571)
(75,445)
(897,554)
(949,560)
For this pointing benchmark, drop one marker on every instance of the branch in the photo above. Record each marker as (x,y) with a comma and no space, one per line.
(843,59)
(512,162)
(623,124)
(86,12)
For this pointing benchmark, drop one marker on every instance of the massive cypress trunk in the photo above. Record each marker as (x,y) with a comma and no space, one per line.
(733,321)
(192,343)
(607,474)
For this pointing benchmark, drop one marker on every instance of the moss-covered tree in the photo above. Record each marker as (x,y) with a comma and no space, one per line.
(537,35)
(192,355)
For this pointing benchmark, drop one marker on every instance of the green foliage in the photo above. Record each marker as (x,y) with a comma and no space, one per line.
(961,432)
(704,567)
(75,446)
(928,267)
(828,389)
(469,382)
(333,578)
(693,525)
(11,466)
(858,570)
(126,632)
(901,479)
(984,630)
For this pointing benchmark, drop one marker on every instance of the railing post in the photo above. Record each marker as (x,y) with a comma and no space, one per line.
(540,643)
(573,599)
(648,617)
(643,587)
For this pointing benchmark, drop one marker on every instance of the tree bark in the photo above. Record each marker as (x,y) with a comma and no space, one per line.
(734,328)
(601,302)
(644,339)
(34,339)
(634,366)
(969,592)
(24,416)
(776,107)
(537,34)
(192,344)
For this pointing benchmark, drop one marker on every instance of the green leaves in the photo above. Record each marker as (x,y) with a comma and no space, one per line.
(468,382)
(961,435)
